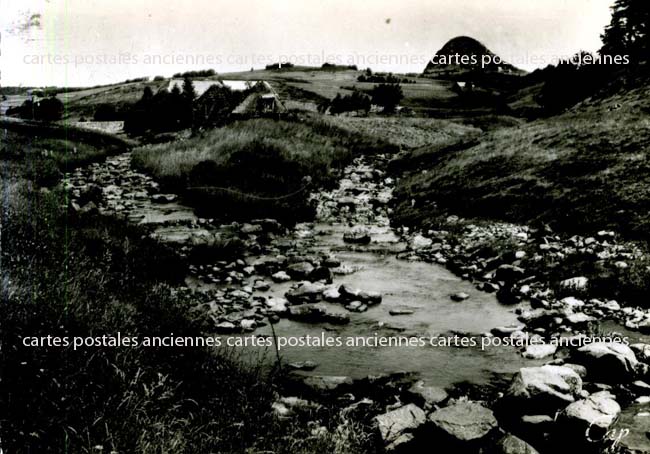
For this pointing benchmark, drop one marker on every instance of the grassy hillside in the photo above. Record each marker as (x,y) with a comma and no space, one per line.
(258,167)
(587,169)
(44,152)
(407,132)
(313,84)
(84,103)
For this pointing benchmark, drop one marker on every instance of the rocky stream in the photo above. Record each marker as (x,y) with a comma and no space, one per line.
(349,274)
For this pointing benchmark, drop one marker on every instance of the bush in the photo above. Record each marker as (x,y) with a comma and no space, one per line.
(357,101)
(164,111)
(47,109)
(387,96)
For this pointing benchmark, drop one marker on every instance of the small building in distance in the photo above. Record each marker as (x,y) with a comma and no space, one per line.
(261,101)
(239,98)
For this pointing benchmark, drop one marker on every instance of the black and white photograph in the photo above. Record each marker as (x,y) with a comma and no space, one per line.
(325,227)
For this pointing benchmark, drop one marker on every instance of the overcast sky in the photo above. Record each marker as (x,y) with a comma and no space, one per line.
(88,42)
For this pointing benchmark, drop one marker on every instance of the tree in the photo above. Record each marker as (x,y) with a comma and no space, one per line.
(387,96)
(188,89)
(629,30)
(147,95)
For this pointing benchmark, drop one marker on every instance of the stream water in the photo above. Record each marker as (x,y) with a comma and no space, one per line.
(405,285)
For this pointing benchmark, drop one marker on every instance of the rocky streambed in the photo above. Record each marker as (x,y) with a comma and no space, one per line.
(350,275)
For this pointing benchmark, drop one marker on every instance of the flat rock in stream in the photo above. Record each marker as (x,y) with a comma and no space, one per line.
(300,270)
(305,292)
(460,296)
(396,312)
(303,365)
(280,276)
(357,237)
(317,313)
(164,198)
(354,294)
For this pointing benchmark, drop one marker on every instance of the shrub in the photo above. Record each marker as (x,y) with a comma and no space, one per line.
(387,96)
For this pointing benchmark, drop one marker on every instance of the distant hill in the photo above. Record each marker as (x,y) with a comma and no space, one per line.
(462,55)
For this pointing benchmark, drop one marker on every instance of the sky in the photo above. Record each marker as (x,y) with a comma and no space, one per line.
(91,42)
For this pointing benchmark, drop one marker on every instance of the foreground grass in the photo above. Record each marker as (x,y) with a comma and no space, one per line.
(583,171)
(258,167)
(64,275)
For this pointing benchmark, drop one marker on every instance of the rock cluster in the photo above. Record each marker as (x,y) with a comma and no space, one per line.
(516,273)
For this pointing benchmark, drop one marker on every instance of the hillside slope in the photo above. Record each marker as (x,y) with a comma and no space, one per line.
(585,170)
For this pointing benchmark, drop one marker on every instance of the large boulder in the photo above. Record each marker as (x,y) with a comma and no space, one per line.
(542,390)
(300,270)
(462,426)
(395,425)
(425,396)
(609,362)
(593,415)
(510,444)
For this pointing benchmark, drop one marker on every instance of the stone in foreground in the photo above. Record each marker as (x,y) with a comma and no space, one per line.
(426,396)
(397,423)
(594,415)
(609,362)
(514,445)
(543,390)
(462,425)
